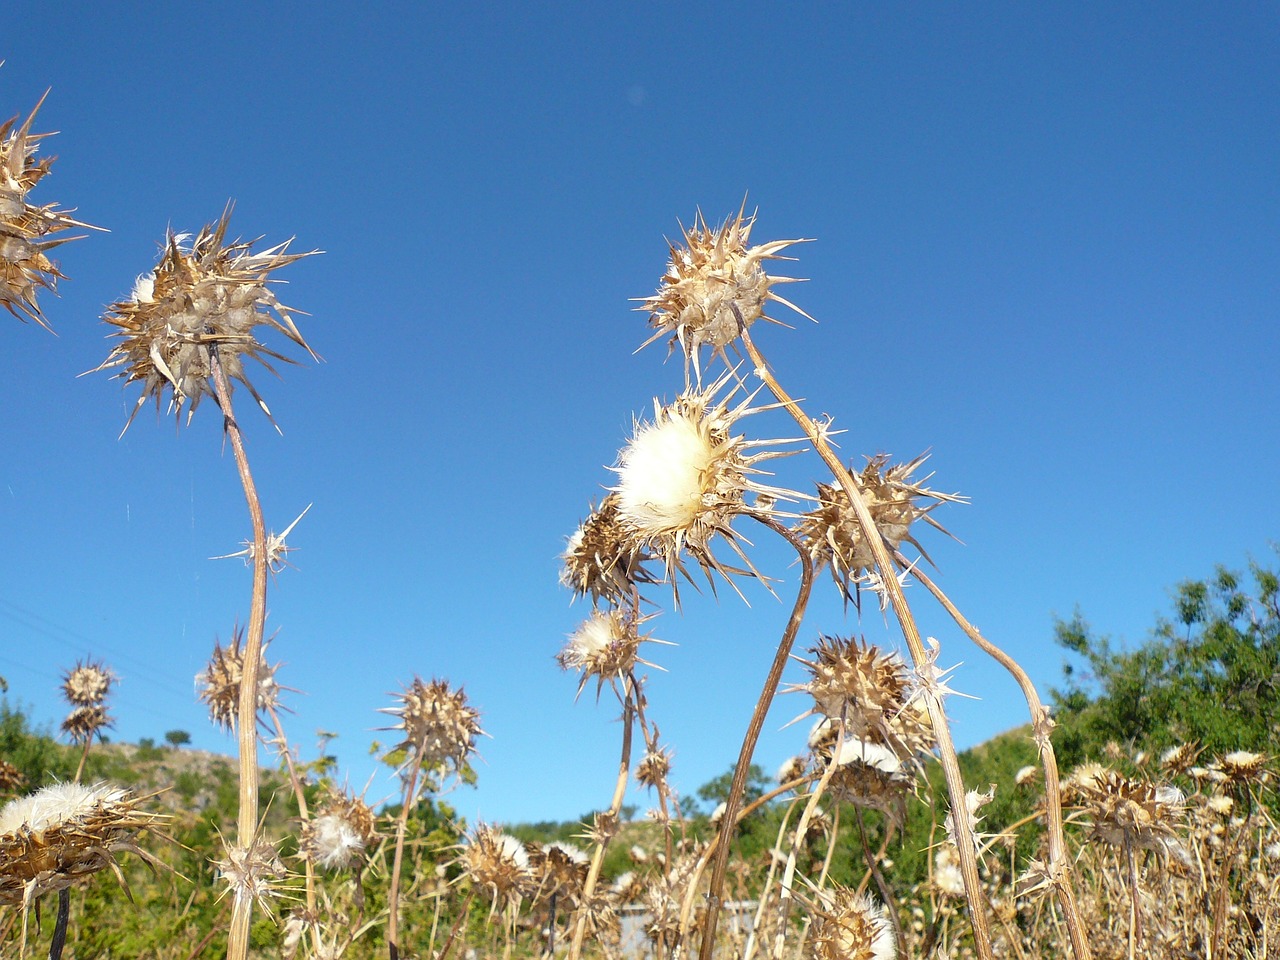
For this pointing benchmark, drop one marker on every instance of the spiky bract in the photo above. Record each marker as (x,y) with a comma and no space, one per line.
(714,286)
(27,232)
(603,557)
(834,538)
(340,833)
(497,864)
(87,684)
(206,296)
(218,684)
(82,723)
(848,925)
(604,646)
(64,832)
(684,477)
(1136,812)
(437,723)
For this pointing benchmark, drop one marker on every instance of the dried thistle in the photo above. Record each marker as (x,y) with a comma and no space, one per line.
(438,724)
(87,684)
(849,926)
(1135,812)
(870,775)
(498,864)
(684,477)
(340,833)
(218,684)
(652,770)
(204,296)
(254,874)
(63,833)
(833,536)
(82,723)
(605,646)
(27,232)
(559,868)
(715,286)
(1241,767)
(603,558)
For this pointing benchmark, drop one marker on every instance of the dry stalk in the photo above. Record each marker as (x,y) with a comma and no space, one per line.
(1042,726)
(247,728)
(911,633)
(734,800)
(615,805)
(402,821)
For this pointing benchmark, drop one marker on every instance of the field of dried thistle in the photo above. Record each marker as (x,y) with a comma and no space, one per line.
(1169,856)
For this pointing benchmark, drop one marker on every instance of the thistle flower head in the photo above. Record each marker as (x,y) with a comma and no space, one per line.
(715,285)
(87,684)
(340,832)
(438,724)
(603,557)
(218,684)
(834,538)
(11,778)
(1241,767)
(1133,811)
(559,868)
(27,231)
(1179,759)
(254,873)
(849,926)
(498,864)
(82,723)
(604,646)
(855,680)
(652,770)
(204,298)
(684,476)
(870,775)
(64,832)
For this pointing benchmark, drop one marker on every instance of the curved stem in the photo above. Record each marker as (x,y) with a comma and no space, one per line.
(247,817)
(402,821)
(615,805)
(1042,726)
(734,800)
(911,634)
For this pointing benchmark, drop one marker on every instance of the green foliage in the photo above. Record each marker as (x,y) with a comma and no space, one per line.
(177,738)
(1211,674)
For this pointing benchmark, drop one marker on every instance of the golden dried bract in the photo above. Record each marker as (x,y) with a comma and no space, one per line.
(603,557)
(559,868)
(437,723)
(82,723)
(684,477)
(27,231)
(63,833)
(205,296)
(652,770)
(714,286)
(497,864)
(833,536)
(218,684)
(87,684)
(1137,812)
(340,833)
(254,873)
(11,778)
(848,925)
(605,646)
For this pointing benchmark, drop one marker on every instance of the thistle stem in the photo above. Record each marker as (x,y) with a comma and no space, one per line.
(247,725)
(911,634)
(402,821)
(1042,726)
(615,805)
(734,800)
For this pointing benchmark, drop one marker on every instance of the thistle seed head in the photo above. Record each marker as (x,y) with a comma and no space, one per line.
(498,864)
(82,723)
(1144,814)
(11,778)
(438,724)
(206,296)
(1241,767)
(87,684)
(65,832)
(340,833)
(218,684)
(850,926)
(715,285)
(27,232)
(684,477)
(254,873)
(559,868)
(833,536)
(653,769)
(603,557)
(605,646)
(870,775)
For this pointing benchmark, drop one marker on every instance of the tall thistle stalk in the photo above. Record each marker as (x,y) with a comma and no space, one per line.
(184,333)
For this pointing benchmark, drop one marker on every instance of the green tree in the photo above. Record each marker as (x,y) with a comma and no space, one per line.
(177,738)
(716,791)
(1211,674)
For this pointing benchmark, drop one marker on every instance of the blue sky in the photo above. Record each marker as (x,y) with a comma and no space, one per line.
(1046,248)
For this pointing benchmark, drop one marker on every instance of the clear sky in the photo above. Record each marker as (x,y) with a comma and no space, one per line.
(1047,248)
